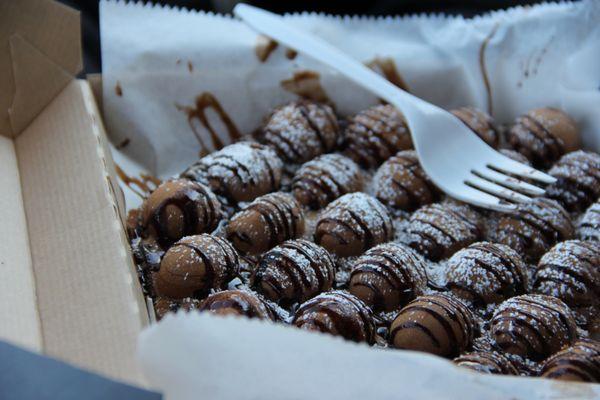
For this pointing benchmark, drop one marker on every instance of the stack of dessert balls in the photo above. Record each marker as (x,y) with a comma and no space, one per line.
(332,225)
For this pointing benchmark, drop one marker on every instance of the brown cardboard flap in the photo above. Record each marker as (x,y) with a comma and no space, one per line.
(40,46)
(90,304)
(31,68)
(18,306)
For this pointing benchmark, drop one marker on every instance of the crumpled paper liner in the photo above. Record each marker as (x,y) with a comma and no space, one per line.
(157,63)
(201,356)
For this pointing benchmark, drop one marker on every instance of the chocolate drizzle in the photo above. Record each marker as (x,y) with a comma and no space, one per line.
(202,103)
(266,222)
(264,47)
(570,272)
(438,230)
(446,322)
(483,67)
(375,134)
(194,265)
(387,67)
(589,226)
(401,183)
(306,84)
(238,302)
(142,186)
(118,89)
(294,272)
(337,313)
(543,135)
(578,180)
(580,363)
(324,179)
(241,171)
(352,224)
(290,54)
(480,123)
(487,363)
(387,276)
(533,228)
(486,273)
(179,208)
(300,131)
(533,326)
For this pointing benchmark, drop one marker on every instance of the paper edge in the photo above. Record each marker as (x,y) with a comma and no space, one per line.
(545,5)
(541,387)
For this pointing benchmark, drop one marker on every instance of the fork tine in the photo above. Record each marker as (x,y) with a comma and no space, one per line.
(496,189)
(509,166)
(509,181)
(479,198)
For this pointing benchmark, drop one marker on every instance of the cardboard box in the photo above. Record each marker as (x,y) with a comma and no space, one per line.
(68,286)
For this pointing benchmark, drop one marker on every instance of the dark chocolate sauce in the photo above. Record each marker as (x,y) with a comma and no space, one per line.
(264,47)
(482,66)
(118,89)
(290,54)
(203,102)
(142,186)
(306,84)
(124,143)
(387,68)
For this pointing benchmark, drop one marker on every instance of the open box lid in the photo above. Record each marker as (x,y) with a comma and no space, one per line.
(68,286)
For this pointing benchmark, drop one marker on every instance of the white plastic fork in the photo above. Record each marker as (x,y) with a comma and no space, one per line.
(455,158)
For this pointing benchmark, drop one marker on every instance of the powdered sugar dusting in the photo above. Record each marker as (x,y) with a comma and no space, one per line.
(443,227)
(438,230)
(242,159)
(326,178)
(578,180)
(401,183)
(487,273)
(589,225)
(570,272)
(301,131)
(357,215)
(533,326)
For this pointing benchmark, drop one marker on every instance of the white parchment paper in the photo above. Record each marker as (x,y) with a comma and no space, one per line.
(160,58)
(201,356)
(156,61)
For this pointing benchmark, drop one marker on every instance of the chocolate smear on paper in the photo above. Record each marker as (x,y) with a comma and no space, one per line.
(387,67)
(142,186)
(264,47)
(119,89)
(290,54)
(482,66)
(197,113)
(124,143)
(529,67)
(306,84)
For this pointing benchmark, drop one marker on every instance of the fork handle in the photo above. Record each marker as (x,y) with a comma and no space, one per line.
(275,27)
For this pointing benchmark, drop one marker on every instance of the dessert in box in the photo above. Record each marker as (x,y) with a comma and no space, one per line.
(333,226)
(340,238)
(403,268)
